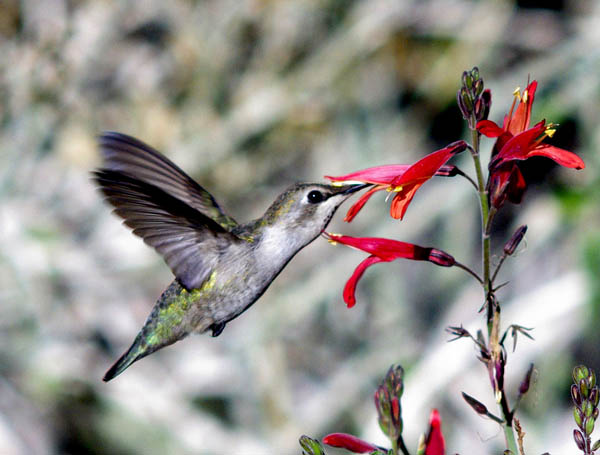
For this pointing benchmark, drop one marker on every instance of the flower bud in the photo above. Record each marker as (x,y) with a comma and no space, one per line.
(448,170)
(311,446)
(594,396)
(589,426)
(478,87)
(579,439)
(588,409)
(524,387)
(575,395)
(477,406)
(483,105)
(441,258)
(349,442)
(387,402)
(578,416)
(584,388)
(515,240)
(580,372)
(596,445)
(499,371)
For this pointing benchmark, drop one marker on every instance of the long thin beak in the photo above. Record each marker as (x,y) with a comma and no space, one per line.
(354,188)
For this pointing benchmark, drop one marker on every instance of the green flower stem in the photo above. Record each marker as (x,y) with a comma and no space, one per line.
(483,200)
(493,322)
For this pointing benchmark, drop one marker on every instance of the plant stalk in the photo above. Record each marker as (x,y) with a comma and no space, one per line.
(493,316)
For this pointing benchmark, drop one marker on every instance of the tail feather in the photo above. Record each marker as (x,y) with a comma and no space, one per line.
(134,353)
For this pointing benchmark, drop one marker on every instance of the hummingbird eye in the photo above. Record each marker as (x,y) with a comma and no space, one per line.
(315,197)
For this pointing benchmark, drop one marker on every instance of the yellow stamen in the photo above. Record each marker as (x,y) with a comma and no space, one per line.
(525,95)
(395,189)
(517,93)
(550,132)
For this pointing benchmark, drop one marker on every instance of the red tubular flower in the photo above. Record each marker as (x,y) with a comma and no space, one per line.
(349,442)
(408,183)
(401,178)
(384,250)
(516,141)
(435,444)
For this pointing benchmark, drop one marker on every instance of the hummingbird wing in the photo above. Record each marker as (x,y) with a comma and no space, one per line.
(189,241)
(132,157)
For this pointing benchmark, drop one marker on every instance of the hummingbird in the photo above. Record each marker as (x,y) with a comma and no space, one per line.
(221,267)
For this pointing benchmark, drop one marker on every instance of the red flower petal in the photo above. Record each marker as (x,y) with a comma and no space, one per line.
(517,147)
(377,174)
(489,128)
(419,173)
(385,249)
(358,205)
(350,287)
(524,145)
(521,117)
(435,444)
(506,182)
(349,442)
(403,199)
(561,156)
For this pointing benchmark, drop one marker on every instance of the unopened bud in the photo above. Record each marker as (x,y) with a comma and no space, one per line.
(579,439)
(524,387)
(499,370)
(514,241)
(580,372)
(588,409)
(482,106)
(447,170)
(589,426)
(578,416)
(440,258)
(457,146)
(596,445)
(584,388)
(477,406)
(575,395)
(311,446)
(478,87)
(594,396)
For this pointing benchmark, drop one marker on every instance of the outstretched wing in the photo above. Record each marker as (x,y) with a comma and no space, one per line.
(129,156)
(189,241)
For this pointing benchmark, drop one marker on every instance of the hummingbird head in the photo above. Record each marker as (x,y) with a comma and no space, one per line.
(302,212)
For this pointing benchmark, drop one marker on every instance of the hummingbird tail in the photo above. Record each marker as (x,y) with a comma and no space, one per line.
(135,352)
(167,323)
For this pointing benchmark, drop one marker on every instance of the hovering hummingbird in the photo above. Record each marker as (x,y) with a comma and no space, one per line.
(221,267)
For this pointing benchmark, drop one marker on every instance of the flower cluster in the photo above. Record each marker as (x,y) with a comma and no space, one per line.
(389,410)
(585,396)
(515,142)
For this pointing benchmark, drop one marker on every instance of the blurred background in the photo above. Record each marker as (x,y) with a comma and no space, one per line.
(249,97)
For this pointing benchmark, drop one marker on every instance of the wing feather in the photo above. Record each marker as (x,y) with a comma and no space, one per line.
(132,157)
(187,239)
